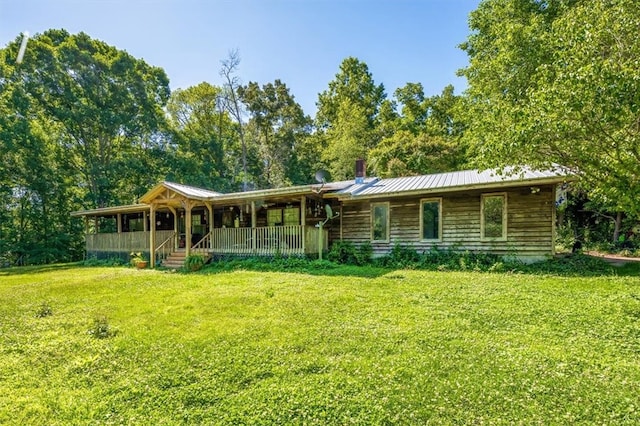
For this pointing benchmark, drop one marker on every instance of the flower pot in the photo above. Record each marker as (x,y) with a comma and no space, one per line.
(142,264)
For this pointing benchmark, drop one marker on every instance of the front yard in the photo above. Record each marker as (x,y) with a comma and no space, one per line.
(112,345)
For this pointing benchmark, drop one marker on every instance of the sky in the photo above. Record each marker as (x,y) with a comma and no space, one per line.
(300,42)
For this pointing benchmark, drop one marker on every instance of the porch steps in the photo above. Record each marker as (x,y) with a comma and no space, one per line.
(175,260)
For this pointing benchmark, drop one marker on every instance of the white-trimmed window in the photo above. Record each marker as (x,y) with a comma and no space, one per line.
(431,219)
(380,222)
(493,216)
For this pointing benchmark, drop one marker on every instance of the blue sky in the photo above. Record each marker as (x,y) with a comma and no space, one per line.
(301,42)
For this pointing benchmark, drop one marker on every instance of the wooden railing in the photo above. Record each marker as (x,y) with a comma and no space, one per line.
(123,242)
(268,240)
(166,247)
(203,244)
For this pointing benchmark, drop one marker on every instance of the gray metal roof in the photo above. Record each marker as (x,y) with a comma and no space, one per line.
(191,191)
(451,181)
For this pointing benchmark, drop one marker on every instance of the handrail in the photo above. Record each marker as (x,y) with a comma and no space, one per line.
(203,244)
(169,243)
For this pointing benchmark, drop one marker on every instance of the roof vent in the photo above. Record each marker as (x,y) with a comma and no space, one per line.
(361,170)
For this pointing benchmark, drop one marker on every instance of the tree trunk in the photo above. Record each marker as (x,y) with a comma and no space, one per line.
(616,229)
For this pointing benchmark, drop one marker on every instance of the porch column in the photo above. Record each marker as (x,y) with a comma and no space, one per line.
(175,227)
(145,225)
(152,236)
(119,219)
(303,222)
(187,227)
(254,216)
(341,216)
(210,223)
(86,225)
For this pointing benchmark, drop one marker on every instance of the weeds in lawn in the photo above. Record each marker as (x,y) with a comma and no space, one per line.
(101,328)
(44,310)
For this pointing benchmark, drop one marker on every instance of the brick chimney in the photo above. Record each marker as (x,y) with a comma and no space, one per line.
(361,170)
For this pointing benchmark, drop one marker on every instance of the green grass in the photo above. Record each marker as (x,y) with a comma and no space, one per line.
(376,347)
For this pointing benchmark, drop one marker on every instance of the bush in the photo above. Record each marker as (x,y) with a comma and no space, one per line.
(401,256)
(194,262)
(346,252)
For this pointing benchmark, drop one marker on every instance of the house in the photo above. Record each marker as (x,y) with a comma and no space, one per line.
(512,214)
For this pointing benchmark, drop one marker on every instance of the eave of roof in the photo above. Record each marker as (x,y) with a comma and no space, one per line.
(105,211)
(450,182)
(187,191)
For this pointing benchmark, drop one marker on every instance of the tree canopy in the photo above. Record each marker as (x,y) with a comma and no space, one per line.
(558,82)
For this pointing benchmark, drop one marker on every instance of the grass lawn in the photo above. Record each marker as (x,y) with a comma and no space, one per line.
(361,346)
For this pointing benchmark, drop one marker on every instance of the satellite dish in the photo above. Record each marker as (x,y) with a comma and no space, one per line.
(329,210)
(330,215)
(321,176)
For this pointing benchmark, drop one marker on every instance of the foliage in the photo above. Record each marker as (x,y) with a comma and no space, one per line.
(557,82)
(194,262)
(44,310)
(278,126)
(101,328)
(206,150)
(347,253)
(290,348)
(137,257)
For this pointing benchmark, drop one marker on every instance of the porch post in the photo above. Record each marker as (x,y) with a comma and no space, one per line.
(303,222)
(175,226)
(152,236)
(210,223)
(254,218)
(187,227)
(86,225)
(145,225)
(119,219)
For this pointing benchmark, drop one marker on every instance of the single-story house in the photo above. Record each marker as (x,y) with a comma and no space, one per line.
(483,211)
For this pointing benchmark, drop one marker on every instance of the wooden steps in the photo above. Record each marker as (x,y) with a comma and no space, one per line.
(175,260)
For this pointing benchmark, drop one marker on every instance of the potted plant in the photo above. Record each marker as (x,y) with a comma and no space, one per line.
(138,260)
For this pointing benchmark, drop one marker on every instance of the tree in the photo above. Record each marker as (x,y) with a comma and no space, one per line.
(280,127)
(426,136)
(205,138)
(233,104)
(559,82)
(347,117)
(107,104)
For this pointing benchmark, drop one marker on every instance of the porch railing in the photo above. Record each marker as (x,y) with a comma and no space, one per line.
(268,240)
(166,247)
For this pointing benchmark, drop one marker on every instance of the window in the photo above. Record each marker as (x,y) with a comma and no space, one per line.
(431,219)
(380,222)
(291,216)
(493,217)
(274,217)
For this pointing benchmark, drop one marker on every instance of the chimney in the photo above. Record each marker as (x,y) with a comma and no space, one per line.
(361,170)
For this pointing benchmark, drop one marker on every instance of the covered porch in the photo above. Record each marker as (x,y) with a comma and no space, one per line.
(173,218)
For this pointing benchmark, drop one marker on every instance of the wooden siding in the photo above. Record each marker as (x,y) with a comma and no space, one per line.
(530,226)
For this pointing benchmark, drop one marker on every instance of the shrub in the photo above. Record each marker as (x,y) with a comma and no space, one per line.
(401,256)
(346,252)
(194,262)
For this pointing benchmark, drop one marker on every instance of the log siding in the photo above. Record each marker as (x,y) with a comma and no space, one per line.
(529,223)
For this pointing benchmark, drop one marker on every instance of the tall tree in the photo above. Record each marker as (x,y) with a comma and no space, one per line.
(205,138)
(558,82)
(426,137)
(107,104)
(280,127)
(233,104)
(347,117)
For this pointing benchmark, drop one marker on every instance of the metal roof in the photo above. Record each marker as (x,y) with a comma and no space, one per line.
(191,191)
(452,181)
(103,211)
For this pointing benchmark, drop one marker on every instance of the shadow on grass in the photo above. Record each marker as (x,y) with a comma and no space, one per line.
(37,269)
